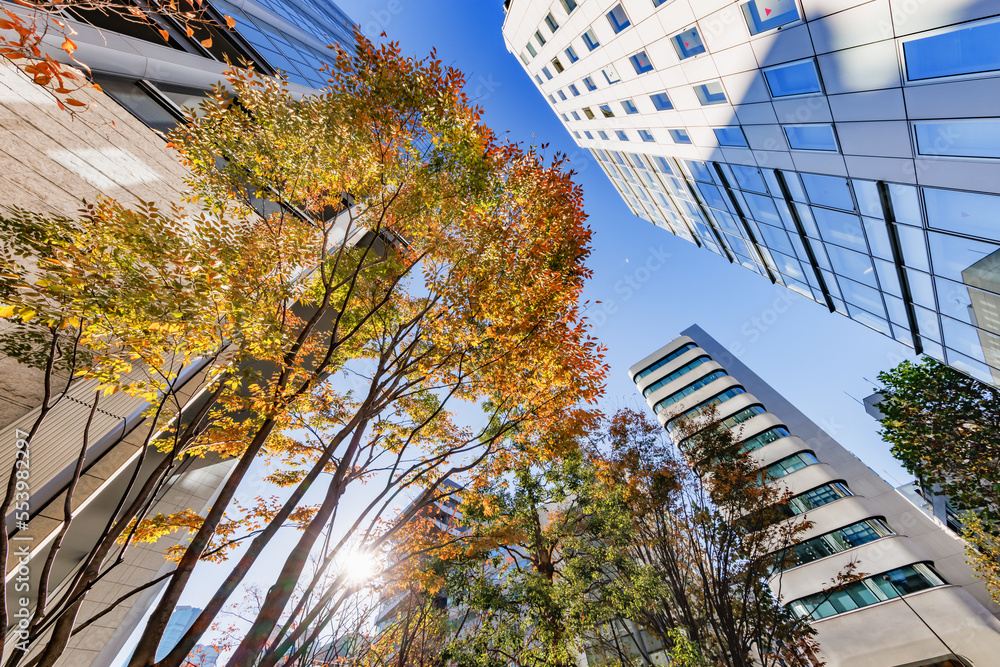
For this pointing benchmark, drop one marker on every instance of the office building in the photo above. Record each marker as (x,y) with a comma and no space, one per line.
(918,604)
(846,149)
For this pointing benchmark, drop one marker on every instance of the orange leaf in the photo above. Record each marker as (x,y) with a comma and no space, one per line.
(69,46)
(63,91)
(43,79)
(165,35)
(75,103)
(230,21)
(97,87)
(207,43)
(190,32)
(7,25)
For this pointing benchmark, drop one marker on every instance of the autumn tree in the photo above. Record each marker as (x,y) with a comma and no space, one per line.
(944,427)
(349,264)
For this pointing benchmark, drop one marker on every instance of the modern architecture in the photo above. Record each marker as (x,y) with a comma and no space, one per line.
(918,603)
(846,149)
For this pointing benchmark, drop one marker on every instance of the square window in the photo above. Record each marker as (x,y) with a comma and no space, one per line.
(811,137)
(588,113)
(610,74)
(762,15)
(568,5)
(558,66)
(688,44)
(589,83)
(538,36)
(641,63)
(590,39)
(621,135)
(618,18)
(646,136)
(661,101)
(798,78)
(730,136)
(571,54)
(573,89)
(547,73)
(562,95)
(602,134)
(679,136)
(709,93)
(588,134)
(629,107)
(531,49)
(606,110)
(575,115)
(551,22)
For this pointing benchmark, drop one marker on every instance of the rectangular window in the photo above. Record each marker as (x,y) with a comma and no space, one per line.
(576,134)
(971,213)
(688,44)
(811,137)
(710,93)
(610,74)
(590,39)
(589,83)
(641,63)
(646,136)
(547,73)
(588,113)
(618,18)
(571,54)
(967,51)
(602,134)
(588,134)
(531,49)
(565,117)
(568,5)
(606,110)
(621,135)
(657,3)
(575,115)
(562,95)
(524,58)
(573,89)
(539,80)
(762,15)
(558,66)
(959,138)
(552,99)
(662,164)
(538,36)
(661,101)
(551,22)
(679,136)
(798,78)
(730,136)
(629,107)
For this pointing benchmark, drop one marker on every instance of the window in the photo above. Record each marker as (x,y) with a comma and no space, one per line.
(688,44)
(710,93)
(646,136)
(679,136)
(798,78)
(539,80)
(971,213)
(552,99)
(702,408)
(660,363)
(821,495)
(640,62)
(830,191)
(571,54)
(686,391)
(811,137)
(661,101)
(565,117)
(657,3)
(606,110)
(568,5)
(538,36)
(765,438)
(662,164)
(551,22)
(629,107)
(573,89)
(531,49)
(524,59)
(589,83)
(588,134)
(789,465)
(610,74)
(602,134)
(764,15)
(621,135)
(618,18)
(562,95)
(590,39)
(558,66)
(577,134)
(834,542)
(588,113)
(575,115)
(967,51)
(730,136)
(870,590)
(979,138)
(547,73)
(743,415)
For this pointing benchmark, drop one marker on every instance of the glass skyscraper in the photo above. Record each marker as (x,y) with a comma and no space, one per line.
(848,150)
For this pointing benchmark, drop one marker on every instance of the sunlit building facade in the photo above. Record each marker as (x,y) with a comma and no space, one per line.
(917,604)
(847,149)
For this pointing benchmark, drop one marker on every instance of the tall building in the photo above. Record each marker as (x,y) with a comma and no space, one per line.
(180,621)
(918,605)
(846,149)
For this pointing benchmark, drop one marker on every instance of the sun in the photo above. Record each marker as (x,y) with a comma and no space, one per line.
(361,566)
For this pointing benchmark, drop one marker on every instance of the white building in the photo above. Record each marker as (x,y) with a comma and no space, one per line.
(847,149)
(919,604)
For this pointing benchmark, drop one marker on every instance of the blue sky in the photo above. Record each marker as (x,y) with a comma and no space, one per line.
(652,284)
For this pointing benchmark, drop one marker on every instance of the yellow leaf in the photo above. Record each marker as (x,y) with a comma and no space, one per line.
(27,315)
(6,311)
